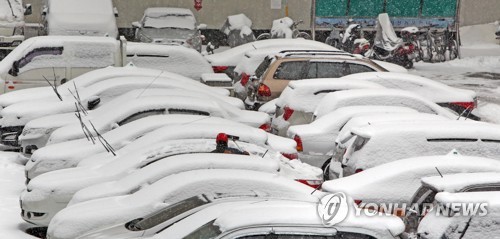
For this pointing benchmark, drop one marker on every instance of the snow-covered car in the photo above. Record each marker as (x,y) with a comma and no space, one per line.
(168,25)
(281,219)
(134,138)
(387,97)
(226,61)
(397,182)
(299,100)
(108,212)
(450,97)
(64,127)
(452,183)
(316,141)
(381,143)
(458,222)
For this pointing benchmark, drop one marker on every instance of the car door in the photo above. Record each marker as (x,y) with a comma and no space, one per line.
(282,72)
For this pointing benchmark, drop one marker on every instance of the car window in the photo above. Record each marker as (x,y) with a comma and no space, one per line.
(357,68)
(359,142)
(263,67)
(482,188)
(40,57)
(313,71)
(339,235)
(188,112)
(208,230)
(168,213)
(290,70)
(332,69)
(141,115)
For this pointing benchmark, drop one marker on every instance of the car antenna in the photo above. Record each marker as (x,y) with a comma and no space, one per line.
(53,88)
(78,102)
(439,172)
(85,130)
(105,144)
(254,47)
(265,153)
(150,84)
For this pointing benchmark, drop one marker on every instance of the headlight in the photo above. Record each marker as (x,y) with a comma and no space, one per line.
(18,31)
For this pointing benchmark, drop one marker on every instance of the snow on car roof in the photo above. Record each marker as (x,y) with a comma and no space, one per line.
(289,213)
(305,95)
(335,119)
(430,89)
(76,6)
(433,130)
(389,97)
(160,11)
(456,182)
(382,118)
(169,190)
(491,198)
(234,55)
(175,164)
(399,179)
(11,10)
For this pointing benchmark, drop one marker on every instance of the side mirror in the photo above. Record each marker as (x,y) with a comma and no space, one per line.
(93,102)
(136,25)
(115,11)
(15,69)
(28,10)
(202,26)
(45,9)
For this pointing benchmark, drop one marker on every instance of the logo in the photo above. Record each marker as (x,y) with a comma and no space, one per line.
(333,209)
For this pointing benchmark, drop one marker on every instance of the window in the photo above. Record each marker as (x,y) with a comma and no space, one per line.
(188,112)
(482,188)
(263,67)
(34,55)
(141,115)
(452,140)
(332,69)
(359,142)
(339,235)
(168,213)
(290,70)
(208,230)
(313,71)
(357,68)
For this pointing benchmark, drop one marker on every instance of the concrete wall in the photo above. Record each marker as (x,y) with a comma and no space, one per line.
(479,12)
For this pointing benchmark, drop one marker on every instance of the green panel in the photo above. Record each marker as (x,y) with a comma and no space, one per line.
(366,8)
(439,8)
(331,8)
(403,8)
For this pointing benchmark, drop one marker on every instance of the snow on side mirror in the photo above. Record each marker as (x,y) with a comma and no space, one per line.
(136,25)
(202,26)
(93,102)
(28,10)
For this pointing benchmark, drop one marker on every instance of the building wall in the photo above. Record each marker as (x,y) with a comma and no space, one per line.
(479,12)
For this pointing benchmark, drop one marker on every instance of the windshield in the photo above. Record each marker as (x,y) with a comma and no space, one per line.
(171,21)
(167,33)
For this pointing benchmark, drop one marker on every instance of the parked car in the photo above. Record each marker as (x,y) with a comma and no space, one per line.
(166,193)
(381,143)
(168,25)
(280,219)
(317,140)
(387,97)
(75,18)
(459,100)
(298,101)
(198,127)
(226,61)
(456,224)
(12,24)
(452,183)
(275,72)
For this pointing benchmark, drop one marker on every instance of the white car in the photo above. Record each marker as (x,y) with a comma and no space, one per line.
(387,97)
(456,224)
(298,101)
(446,96)
(317,140)
(280,219)
(64,127)
(397,182)
(108,212)
(381,143)
(56,157)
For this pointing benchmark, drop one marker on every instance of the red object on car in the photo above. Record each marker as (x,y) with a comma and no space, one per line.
(316,184)
(220,69)
(465,105)
(266,127)
(264,90)
(298,140)
(287,113)
(244,79)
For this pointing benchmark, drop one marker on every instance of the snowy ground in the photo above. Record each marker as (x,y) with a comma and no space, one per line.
(479,70)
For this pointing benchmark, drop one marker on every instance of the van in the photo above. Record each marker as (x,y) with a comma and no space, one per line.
(76,17)
(40,61)
(12,24)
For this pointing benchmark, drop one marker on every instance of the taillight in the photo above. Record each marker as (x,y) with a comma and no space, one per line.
(244,79)
(465,105)
(290,156)
(220,69)
(264,90)
(311,183)
(287,113)
(358,202)
(411,48)
(266,127)
(358,170)
(297,139)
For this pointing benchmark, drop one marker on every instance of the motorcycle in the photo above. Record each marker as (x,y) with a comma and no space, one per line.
(238,30)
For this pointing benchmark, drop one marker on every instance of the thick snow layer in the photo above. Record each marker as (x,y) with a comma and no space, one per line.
(397,182)
(238,22)
(427,88)
(169,18)
(11,11)
(178,59)
(391,67)
(305,95)
(234,55)
(110,211)
(453,183)
(388,97)
(282,28)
